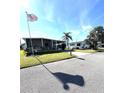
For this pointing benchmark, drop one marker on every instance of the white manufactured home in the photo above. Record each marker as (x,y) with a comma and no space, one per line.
(79,45)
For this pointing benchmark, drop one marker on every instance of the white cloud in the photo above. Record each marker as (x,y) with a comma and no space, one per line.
(86,28)
(38,34)
(49,15)
(49,11)
(84,19)
(34,34)
(75,32)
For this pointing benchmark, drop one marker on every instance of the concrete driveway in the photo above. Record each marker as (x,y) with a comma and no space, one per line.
(76,75)
(79,54)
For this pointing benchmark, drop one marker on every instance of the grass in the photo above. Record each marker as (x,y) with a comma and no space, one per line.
(89,50)
(44,58)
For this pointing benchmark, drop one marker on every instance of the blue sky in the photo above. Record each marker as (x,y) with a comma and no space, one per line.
(58,16)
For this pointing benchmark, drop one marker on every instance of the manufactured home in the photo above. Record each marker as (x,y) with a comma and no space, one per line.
(40,44)
(79,45)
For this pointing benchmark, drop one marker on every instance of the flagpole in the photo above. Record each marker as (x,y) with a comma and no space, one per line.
(32,46)
(30,35)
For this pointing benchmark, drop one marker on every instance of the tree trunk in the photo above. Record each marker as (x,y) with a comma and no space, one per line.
(68,44)
(95,45)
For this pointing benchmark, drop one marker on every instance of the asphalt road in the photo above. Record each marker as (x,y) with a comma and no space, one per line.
(76,75)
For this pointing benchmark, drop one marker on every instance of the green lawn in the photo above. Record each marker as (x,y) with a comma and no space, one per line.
(89,50)
(44,58)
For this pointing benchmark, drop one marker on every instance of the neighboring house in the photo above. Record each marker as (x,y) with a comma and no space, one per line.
(40,44)
(100,45)
(79,45)
(83,45)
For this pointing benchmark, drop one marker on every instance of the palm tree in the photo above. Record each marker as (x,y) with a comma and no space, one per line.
(67,37)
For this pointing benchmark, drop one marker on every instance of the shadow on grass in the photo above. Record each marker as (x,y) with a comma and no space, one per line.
(49,52)
(41,63)
(100,50)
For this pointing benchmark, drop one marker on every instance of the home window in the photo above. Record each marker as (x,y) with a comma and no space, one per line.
(78,44)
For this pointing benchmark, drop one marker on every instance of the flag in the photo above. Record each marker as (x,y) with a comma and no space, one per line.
(32,17)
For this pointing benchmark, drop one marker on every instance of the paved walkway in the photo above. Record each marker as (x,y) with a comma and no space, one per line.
(79,54)
(67,76)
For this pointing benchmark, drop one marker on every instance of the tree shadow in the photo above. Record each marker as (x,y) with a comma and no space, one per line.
(65,79)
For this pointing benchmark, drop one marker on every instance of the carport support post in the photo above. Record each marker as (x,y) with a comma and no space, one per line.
(56,45)
(30,36)
(42,42)
(52,44)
